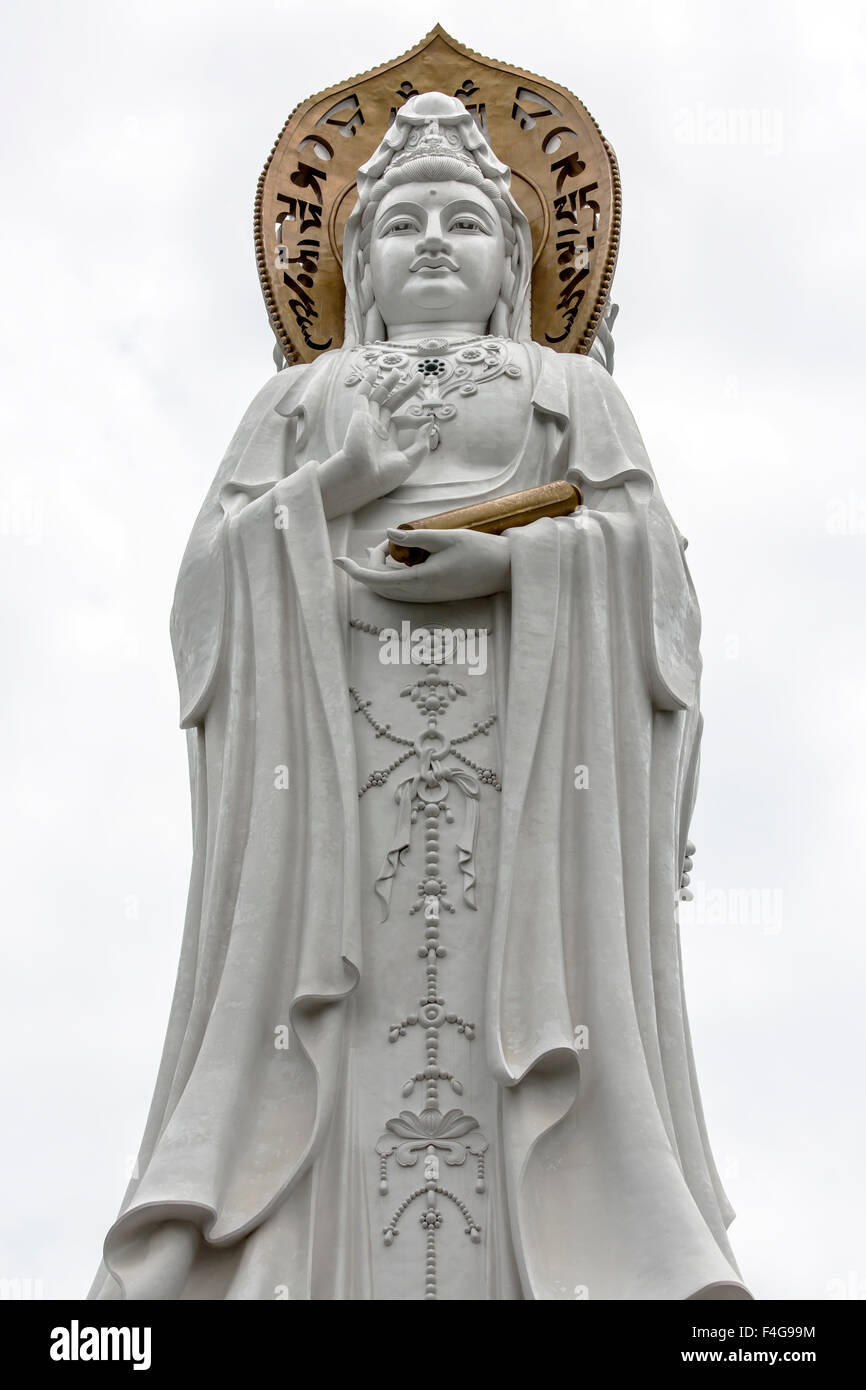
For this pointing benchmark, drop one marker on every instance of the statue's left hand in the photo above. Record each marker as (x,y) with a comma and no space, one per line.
(461,564)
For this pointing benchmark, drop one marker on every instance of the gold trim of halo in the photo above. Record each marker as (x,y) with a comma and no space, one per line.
(565,177)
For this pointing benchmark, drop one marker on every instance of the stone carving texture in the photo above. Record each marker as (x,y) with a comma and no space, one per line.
(443,368)
(427,797)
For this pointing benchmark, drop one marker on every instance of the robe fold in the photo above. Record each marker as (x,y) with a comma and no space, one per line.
(252,1181)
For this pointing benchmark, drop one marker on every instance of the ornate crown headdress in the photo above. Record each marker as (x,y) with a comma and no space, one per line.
(551,157)
(430,140)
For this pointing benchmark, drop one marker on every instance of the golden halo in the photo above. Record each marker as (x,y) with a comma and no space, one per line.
(564,177)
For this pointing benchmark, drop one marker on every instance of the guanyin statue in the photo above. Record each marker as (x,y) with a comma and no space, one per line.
(428,1038)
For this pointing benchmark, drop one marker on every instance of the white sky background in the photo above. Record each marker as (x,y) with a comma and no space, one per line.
(133,336)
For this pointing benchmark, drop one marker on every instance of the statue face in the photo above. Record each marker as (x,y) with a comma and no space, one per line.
(437,254)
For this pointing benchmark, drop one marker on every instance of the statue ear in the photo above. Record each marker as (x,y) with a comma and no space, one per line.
(499,321)
(374,326)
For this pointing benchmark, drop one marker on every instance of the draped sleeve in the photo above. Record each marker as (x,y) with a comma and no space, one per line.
(262,451)
(603,452)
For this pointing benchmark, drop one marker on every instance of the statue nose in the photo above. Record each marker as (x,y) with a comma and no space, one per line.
(432,241)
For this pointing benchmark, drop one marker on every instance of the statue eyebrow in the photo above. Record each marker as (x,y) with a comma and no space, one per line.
(466,205)
(399,210)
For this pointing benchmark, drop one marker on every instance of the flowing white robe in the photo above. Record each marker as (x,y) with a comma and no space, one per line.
(257,1172)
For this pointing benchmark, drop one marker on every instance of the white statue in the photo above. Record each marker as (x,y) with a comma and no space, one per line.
(428,1036)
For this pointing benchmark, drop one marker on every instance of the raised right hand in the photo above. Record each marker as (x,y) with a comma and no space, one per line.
(370,463)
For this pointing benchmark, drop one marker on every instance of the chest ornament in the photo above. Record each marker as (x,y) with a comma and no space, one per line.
(443,368)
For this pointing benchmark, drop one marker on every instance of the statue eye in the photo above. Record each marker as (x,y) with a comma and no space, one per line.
(403,224)
(466,224)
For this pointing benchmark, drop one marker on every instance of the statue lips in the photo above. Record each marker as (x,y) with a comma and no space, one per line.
(435,263)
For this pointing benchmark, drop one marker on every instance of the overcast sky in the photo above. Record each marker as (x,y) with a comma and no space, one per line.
(133,336)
